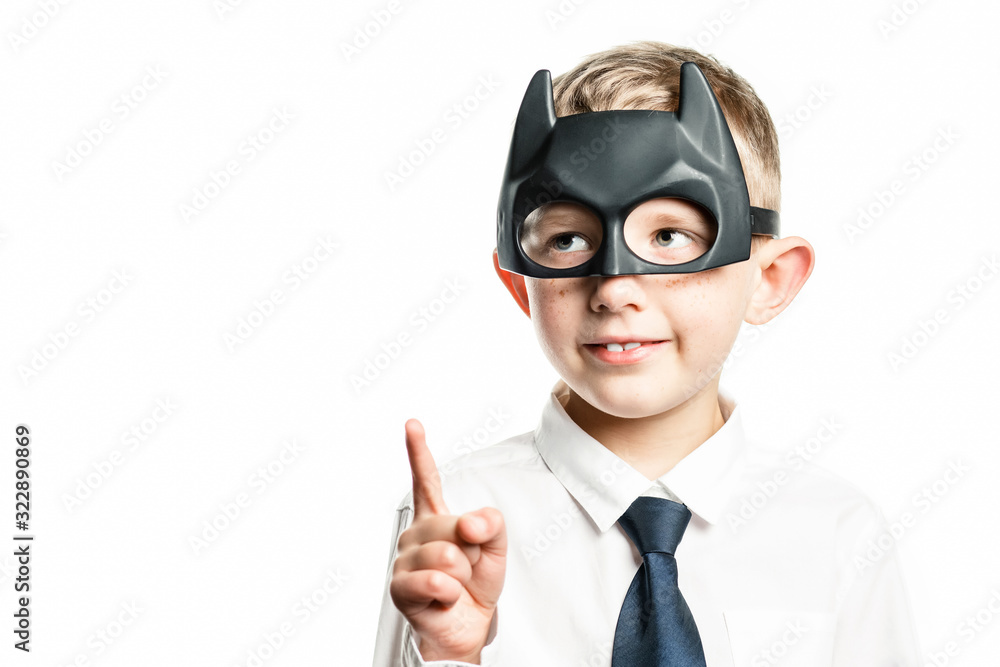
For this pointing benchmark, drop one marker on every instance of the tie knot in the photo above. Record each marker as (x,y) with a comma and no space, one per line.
(655,524)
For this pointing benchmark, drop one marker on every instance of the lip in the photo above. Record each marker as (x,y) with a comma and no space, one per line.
(644,351)
(621,340)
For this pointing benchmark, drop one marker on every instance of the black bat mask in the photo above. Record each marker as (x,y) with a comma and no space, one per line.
(571,183)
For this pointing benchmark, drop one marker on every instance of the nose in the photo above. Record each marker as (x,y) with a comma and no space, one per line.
(615,293)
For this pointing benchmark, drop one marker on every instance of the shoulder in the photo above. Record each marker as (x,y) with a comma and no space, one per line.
(807,488)
(517,451)
(807,512)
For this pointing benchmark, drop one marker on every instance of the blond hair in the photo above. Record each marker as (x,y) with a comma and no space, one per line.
(646,75)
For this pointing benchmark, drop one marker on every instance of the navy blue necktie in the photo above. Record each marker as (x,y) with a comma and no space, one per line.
(655,626)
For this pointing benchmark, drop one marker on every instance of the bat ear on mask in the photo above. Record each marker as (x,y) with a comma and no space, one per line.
(570,184)
(535,119)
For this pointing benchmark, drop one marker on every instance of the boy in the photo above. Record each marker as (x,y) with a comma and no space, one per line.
(637,243)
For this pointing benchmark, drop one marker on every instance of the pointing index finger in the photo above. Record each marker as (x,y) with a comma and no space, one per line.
(427,495)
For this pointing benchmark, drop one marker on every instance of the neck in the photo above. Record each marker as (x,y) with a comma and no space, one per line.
(652,445)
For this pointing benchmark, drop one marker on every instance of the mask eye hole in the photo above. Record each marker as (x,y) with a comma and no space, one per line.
(670,231)
(561,234)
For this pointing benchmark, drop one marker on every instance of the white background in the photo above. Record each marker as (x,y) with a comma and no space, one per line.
(190,283)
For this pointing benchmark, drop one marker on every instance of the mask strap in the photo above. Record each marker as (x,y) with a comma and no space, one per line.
(765,221)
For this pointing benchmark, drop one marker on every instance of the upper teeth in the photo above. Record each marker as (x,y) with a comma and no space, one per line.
(616,347)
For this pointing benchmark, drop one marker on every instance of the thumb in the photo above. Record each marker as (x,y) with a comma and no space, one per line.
(485,527)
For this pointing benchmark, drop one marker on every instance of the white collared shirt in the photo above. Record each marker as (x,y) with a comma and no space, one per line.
(781,564)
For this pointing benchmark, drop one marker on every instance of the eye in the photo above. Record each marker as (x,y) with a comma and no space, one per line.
(565,243)
(673,238)
(670,230)
(561,234)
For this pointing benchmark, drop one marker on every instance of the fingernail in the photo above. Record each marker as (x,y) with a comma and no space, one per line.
(477,524)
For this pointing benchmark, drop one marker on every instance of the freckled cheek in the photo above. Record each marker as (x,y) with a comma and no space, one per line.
(702,318)
(554,318)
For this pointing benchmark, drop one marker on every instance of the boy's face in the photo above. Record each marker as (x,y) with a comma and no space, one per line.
(687,324)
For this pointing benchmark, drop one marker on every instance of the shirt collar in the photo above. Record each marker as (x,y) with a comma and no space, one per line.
(605,485)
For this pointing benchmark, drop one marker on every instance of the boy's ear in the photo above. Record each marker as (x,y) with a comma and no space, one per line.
(514,284)
(785,265)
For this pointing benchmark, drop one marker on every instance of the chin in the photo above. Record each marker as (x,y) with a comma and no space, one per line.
(628,399)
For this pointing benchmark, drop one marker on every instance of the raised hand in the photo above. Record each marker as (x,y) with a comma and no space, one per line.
(449,570)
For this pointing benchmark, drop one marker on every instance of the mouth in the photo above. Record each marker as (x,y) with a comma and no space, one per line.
(622,345)
(624,351)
